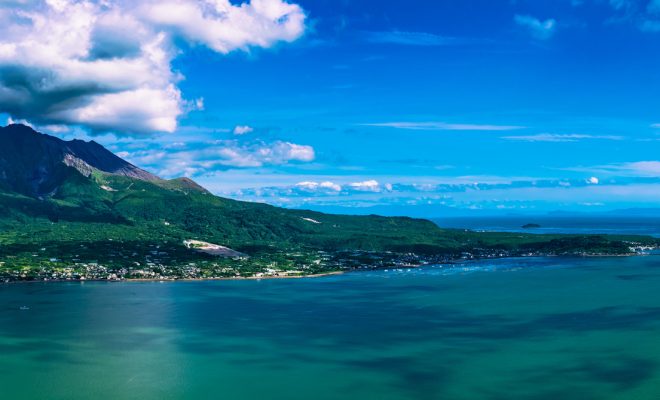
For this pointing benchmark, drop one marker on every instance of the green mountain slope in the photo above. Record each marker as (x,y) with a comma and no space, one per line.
(89,213)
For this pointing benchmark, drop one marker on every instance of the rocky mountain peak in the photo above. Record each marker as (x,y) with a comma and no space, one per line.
(34,164)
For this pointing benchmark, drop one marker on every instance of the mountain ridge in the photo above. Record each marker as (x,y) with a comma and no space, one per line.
(76,207)
(33,163)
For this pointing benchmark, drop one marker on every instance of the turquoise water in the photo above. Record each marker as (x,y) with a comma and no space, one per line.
(545,328)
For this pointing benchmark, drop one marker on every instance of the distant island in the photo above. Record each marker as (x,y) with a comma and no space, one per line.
(531,226)
(72,210)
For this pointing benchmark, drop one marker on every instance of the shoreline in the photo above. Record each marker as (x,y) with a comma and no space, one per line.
(234,278)
(145,280)
(313,276)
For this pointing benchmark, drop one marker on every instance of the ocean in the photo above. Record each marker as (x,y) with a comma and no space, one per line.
(597,224)
(520,328)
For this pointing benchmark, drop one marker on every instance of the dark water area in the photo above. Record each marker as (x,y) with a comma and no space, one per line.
(528,328)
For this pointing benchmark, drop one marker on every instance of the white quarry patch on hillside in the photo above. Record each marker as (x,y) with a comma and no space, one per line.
(108,188)
(213,249)
(310,220)
(74,162)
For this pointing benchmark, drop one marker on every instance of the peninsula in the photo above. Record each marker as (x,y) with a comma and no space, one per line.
(72,210)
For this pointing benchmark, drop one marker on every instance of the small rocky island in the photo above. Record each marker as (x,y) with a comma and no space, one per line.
(531,226)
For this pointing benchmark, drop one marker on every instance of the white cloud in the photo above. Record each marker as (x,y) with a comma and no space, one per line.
(331,186)
(550,137)
(540,30)
(242,129)
(337,187)
(366,186)
(257,155)
(319,186)
(223,26)
(443,126)
(639,169)
(529,192)
(140,109)
(107,64)
(11,121)
(644,168)
(199,158)
(199,104)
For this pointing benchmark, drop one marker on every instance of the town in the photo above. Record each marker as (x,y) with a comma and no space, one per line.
(162,263)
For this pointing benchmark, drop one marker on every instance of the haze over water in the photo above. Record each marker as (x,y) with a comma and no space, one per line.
(541,328)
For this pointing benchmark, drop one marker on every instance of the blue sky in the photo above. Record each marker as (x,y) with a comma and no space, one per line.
(411,106)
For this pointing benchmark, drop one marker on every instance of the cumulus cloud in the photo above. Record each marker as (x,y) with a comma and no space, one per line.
(366,186)
(319,186)
(242,129)
(337,187)
(451,191)
(260,154)
(541,30)
(107,64)
(198,158)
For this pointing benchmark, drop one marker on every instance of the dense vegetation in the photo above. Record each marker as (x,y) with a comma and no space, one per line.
(73,208)
(123,223)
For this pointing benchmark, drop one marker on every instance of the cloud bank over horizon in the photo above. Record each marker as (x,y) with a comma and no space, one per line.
(487,103)
(106,65)
(486,194)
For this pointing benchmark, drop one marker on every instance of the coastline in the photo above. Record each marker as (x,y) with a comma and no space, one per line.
(144,280)
(233,278)
(319,275)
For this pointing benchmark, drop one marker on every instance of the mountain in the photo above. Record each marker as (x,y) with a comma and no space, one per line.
(46,178)
(35,164)
(75,206)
